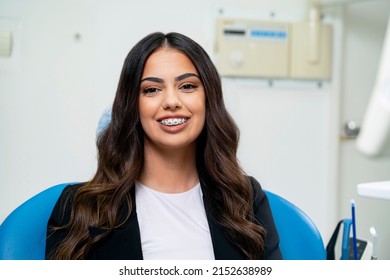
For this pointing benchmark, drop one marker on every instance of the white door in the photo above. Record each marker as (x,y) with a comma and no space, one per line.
(365,25)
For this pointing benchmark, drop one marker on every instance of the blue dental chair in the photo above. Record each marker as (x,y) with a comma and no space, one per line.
(299,236)
(23,232)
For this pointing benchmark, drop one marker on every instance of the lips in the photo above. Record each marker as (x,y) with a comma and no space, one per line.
(173,121)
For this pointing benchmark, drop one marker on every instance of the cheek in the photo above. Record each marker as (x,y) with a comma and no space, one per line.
(147,108)
(202,107)
(145,114)
(197,103)
(199,108)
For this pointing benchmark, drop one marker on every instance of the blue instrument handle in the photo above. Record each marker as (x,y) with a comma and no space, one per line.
(345,241)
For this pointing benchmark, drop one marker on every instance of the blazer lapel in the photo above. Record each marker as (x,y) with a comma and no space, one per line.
(224,249)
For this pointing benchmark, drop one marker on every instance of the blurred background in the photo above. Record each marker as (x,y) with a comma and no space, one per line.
(298,76)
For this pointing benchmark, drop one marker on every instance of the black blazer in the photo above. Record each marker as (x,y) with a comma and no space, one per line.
(124,243)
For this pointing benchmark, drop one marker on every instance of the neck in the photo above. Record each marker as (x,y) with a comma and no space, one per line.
(170,171)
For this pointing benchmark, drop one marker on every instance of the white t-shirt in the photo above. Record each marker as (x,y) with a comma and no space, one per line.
(173,226)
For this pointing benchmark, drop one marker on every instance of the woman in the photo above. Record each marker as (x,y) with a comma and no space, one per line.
(168,184)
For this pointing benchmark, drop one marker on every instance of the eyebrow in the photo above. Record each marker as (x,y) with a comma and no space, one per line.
(186,75)
(177,79)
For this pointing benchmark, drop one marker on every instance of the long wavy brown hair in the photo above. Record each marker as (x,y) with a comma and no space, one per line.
(121,157)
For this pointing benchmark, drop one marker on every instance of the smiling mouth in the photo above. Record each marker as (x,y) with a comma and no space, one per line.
(173,121)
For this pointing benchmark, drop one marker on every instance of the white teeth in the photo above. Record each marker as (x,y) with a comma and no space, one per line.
(173,121)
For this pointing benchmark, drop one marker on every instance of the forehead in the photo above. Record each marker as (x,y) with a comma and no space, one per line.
(168,62)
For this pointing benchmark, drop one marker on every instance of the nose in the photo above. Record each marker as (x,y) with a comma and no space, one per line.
(171,100)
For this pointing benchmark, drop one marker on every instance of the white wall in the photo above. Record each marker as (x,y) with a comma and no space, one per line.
(69,55)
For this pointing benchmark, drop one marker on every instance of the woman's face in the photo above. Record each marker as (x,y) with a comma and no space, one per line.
(172,102)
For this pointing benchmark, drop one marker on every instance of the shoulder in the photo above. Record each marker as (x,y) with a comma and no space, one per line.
(261,207)
(59,218)
(263,215)
(258,192)
(68,193)
(63,206)
(71,189)
(255,184)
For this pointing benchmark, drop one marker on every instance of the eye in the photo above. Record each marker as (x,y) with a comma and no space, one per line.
(150,90)
(189,87)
